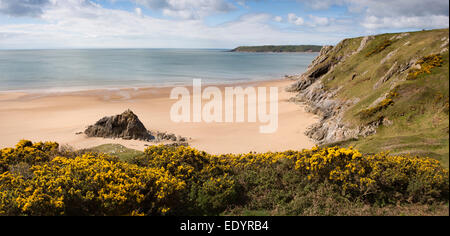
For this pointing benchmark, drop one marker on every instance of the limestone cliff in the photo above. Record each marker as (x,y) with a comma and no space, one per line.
(364,83)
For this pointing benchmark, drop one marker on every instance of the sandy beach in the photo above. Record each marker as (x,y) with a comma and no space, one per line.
(59,116)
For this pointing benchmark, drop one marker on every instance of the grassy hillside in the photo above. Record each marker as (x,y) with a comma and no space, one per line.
(284,48)
(400,81)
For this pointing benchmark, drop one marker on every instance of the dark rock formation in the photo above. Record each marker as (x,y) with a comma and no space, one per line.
(163,136)
(314,71)
(321,71)
(126,126)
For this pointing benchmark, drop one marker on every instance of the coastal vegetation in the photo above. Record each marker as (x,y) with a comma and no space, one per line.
(382,93)
(384,146)
(425,65)
(384,104)
(279,49)
(45,179)
(116,150)
(378,48)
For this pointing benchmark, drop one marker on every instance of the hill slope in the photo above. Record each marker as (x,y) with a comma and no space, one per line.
(387,92)
(285,48)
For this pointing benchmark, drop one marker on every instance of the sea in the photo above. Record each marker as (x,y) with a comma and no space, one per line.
(73,70)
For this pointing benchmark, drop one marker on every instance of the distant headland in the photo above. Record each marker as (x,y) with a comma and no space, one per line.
(279,49)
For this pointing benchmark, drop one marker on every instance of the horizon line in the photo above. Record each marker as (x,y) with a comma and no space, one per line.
(128,48)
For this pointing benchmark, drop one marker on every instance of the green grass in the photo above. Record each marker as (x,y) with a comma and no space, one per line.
(117,150)
(420,122)
(419,114)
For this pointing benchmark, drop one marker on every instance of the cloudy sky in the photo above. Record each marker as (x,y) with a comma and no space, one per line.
(28,24)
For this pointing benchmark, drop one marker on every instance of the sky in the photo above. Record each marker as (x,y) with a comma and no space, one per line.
(41,24)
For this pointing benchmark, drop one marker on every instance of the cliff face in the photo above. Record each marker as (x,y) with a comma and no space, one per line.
(366,83)
(323,102)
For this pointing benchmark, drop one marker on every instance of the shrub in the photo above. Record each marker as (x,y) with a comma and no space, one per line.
(369,112)
(386,43)
(27,152)
(210,188)
(426,64)
(185,181)
(385,103)
(377,178)
(91,184)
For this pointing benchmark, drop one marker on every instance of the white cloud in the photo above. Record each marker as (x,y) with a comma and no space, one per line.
(33,8)
(425,22)
(322,4)
(85,24)
(318,21)
(386,7)
(278,18)
(391,14)
(294,19)
(138,11)
(188,9)
(400,8)
(74,24)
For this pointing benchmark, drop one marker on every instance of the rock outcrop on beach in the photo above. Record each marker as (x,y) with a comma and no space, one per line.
(364,83)
(128,126)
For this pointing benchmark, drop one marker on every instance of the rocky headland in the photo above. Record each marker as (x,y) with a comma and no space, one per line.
(364,83)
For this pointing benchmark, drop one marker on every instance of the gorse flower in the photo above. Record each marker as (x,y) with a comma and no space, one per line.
(425,65)
(182,180)
(92,184)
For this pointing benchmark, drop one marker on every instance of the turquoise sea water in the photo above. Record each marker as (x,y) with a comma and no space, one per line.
(61,70)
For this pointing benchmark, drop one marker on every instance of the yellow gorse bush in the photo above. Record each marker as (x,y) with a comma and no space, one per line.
(384,104)
(209,180)
(374,175)
(183,180)
(361,175)
(91,184)
(426,64)
(27,152)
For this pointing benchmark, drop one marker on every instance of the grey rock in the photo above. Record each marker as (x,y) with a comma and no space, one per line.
(389,56)
(311,92)
(393,70)
(126,126)
(363,44)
